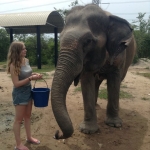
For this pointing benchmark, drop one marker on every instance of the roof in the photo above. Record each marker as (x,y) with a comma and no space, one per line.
(24,23)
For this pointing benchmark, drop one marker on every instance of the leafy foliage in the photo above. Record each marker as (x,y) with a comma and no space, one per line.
(31,45)
(30,40)
(4,44)
(63,12)
(142,36)
(141,33)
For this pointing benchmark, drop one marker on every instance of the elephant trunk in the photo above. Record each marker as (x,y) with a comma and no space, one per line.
(67,69)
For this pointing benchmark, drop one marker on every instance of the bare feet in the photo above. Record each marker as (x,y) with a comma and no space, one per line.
(33,140)
(21,147)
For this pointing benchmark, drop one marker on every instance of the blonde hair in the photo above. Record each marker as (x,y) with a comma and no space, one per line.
(13,56)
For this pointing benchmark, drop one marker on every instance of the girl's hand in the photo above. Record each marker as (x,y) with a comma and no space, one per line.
(36,76)
(36,73)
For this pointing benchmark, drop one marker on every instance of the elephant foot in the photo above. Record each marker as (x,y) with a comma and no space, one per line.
(88,127)
(114,122)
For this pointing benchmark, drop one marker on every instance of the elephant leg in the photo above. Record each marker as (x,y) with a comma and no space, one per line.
(97,85)
(113,88)
(89,125)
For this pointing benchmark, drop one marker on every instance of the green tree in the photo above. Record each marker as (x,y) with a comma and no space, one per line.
(47,49)
(63,12)
(31,46)
(142,36)
(21,37)
(30,40)
(51,49)
(4,44)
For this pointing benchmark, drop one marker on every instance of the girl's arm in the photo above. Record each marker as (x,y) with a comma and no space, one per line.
(17,82)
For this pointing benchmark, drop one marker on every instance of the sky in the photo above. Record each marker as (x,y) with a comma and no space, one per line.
(127,9)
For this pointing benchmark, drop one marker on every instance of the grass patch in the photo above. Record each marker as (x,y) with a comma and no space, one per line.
(145,99)
(144,59)
(147,75)
(3,63)
(45,68)
(78,89)
(4,66)
(103,93)
(147,68)
(123,86)
(124,94)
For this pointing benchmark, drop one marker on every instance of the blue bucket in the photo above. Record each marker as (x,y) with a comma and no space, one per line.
(40,96)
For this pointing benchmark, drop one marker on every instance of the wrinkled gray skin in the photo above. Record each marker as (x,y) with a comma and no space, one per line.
(94,45)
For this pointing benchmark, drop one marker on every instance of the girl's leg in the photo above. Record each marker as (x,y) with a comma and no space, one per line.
(27,119)
(20,111)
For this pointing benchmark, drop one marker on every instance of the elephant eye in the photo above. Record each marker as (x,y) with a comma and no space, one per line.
(89,41)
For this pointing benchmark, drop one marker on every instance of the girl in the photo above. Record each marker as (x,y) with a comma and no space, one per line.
(21,74)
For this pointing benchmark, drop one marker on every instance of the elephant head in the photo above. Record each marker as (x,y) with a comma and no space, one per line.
(90,37)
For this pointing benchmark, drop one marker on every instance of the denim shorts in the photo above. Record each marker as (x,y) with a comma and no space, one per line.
(22,95)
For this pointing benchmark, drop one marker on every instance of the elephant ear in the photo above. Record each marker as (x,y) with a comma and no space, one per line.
(119,36)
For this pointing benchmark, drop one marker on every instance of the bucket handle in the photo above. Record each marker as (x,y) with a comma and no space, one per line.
(44,81)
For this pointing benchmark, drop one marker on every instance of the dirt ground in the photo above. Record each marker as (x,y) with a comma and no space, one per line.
(135,113)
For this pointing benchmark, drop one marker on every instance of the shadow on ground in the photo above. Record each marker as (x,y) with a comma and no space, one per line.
(130,136)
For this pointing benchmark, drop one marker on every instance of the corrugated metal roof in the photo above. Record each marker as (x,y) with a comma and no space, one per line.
(26,22)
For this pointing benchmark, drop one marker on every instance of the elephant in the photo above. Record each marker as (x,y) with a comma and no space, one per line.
(94,46)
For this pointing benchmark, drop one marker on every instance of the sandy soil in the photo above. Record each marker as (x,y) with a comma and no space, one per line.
(135,113)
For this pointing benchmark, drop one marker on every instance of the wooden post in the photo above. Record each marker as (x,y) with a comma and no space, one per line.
(11,35)
(38,47)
